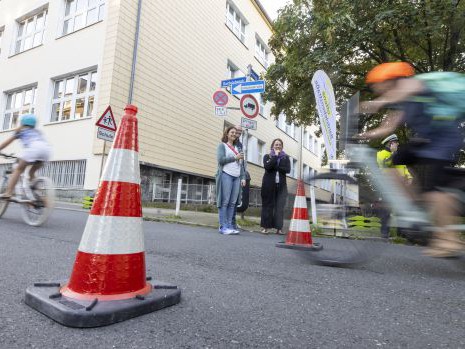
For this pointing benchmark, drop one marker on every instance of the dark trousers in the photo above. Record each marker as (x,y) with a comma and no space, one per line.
(272,215)
(384,215)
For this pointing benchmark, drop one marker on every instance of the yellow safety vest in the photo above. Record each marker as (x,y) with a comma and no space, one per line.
(384,160)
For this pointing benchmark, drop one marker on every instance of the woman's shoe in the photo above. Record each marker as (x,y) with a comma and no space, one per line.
(264,231)
(280,232)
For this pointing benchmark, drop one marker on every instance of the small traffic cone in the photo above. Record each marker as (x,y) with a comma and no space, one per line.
(299,236)
(108,282)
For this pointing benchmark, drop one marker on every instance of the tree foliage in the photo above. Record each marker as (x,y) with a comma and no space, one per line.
(346,38)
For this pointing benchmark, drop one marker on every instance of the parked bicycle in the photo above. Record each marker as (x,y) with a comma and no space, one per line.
(36,199)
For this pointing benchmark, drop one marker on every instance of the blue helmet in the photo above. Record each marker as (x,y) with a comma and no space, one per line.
(29,120)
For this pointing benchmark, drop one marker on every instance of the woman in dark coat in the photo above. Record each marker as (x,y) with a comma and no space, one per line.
(274,187)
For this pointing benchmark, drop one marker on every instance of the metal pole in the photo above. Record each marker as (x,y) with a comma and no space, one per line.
(178,197)
(103,159)
(134,53)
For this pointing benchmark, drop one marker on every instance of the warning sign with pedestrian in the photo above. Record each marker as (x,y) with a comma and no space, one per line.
(249,106)
(107,120)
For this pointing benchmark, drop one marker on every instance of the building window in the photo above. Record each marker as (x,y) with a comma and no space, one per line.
(18,103)
(30,32)
(232,71)
(261,52)
(255,150)
(294,168)
(82,13)
(235,22)
(74,97)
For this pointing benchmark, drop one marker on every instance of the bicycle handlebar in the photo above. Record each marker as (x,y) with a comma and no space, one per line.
(8,156)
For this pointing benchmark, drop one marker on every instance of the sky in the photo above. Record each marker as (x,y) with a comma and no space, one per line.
(272,6)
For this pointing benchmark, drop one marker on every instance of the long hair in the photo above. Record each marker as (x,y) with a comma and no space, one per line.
(224,139)
(277,139)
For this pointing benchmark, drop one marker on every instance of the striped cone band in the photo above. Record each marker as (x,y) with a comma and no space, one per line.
(118,199)
(300,225)
(298,238)
(110,263)
(122,166)
(107,277)
(300,188)
(300,202)
(300,213)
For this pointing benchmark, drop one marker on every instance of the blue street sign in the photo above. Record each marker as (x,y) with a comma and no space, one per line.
(226,83)
(254,75)
(248,87)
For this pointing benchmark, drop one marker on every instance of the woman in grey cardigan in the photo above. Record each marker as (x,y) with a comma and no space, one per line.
(229,178)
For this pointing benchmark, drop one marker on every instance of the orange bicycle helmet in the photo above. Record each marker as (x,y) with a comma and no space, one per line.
(388,71)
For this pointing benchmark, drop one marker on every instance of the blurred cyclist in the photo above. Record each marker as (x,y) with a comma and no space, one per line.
(35,152)
(436,143)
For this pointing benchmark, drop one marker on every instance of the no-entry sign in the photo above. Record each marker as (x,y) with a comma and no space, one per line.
(249,106)
(220,98)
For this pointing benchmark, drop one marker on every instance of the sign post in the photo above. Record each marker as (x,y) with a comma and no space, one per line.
(106,131)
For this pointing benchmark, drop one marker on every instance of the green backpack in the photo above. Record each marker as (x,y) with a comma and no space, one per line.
(449,91)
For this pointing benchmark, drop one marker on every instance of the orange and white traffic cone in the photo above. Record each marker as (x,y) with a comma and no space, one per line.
(299,236)
(108,282)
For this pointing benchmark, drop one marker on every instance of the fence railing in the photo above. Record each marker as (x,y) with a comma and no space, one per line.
(195,194)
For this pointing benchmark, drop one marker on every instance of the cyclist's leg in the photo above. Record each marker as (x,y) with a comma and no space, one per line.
(21,166)
(34,168)
(444,209)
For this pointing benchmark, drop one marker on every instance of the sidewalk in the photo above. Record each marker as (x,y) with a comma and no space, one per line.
(195,218)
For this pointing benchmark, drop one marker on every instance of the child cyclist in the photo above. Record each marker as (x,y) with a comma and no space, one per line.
(36,151)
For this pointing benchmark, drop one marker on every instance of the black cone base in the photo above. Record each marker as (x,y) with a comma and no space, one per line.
(45,298)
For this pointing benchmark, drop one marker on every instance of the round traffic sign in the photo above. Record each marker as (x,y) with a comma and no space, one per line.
(249,106)
(220,98)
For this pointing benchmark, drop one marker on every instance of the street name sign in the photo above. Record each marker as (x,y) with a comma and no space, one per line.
(248,87)
(220,98)
(229,82)
(221,111)
(105,134)
(249,106)
(254,75)
(249,124)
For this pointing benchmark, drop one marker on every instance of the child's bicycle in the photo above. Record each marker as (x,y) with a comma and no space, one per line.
(36,198)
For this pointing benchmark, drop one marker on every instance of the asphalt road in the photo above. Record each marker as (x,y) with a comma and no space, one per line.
(239,292)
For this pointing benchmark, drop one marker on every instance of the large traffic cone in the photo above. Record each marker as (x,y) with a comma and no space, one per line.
(299,236)
(108,282)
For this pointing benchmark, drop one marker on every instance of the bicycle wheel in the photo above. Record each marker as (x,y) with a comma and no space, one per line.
(338,252)
(37,212)
(3,203)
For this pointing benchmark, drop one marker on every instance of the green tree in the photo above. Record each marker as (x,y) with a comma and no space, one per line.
(346,38)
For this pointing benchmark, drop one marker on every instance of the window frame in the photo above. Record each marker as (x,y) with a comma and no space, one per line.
(236,22)
(21,31)
(100,6)
(10,108)
(262,52)
(91,78)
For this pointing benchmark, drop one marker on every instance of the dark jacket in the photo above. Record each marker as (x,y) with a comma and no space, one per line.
(269,178)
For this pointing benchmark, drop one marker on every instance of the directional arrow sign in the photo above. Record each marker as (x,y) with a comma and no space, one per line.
(248,87)
(226,83)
